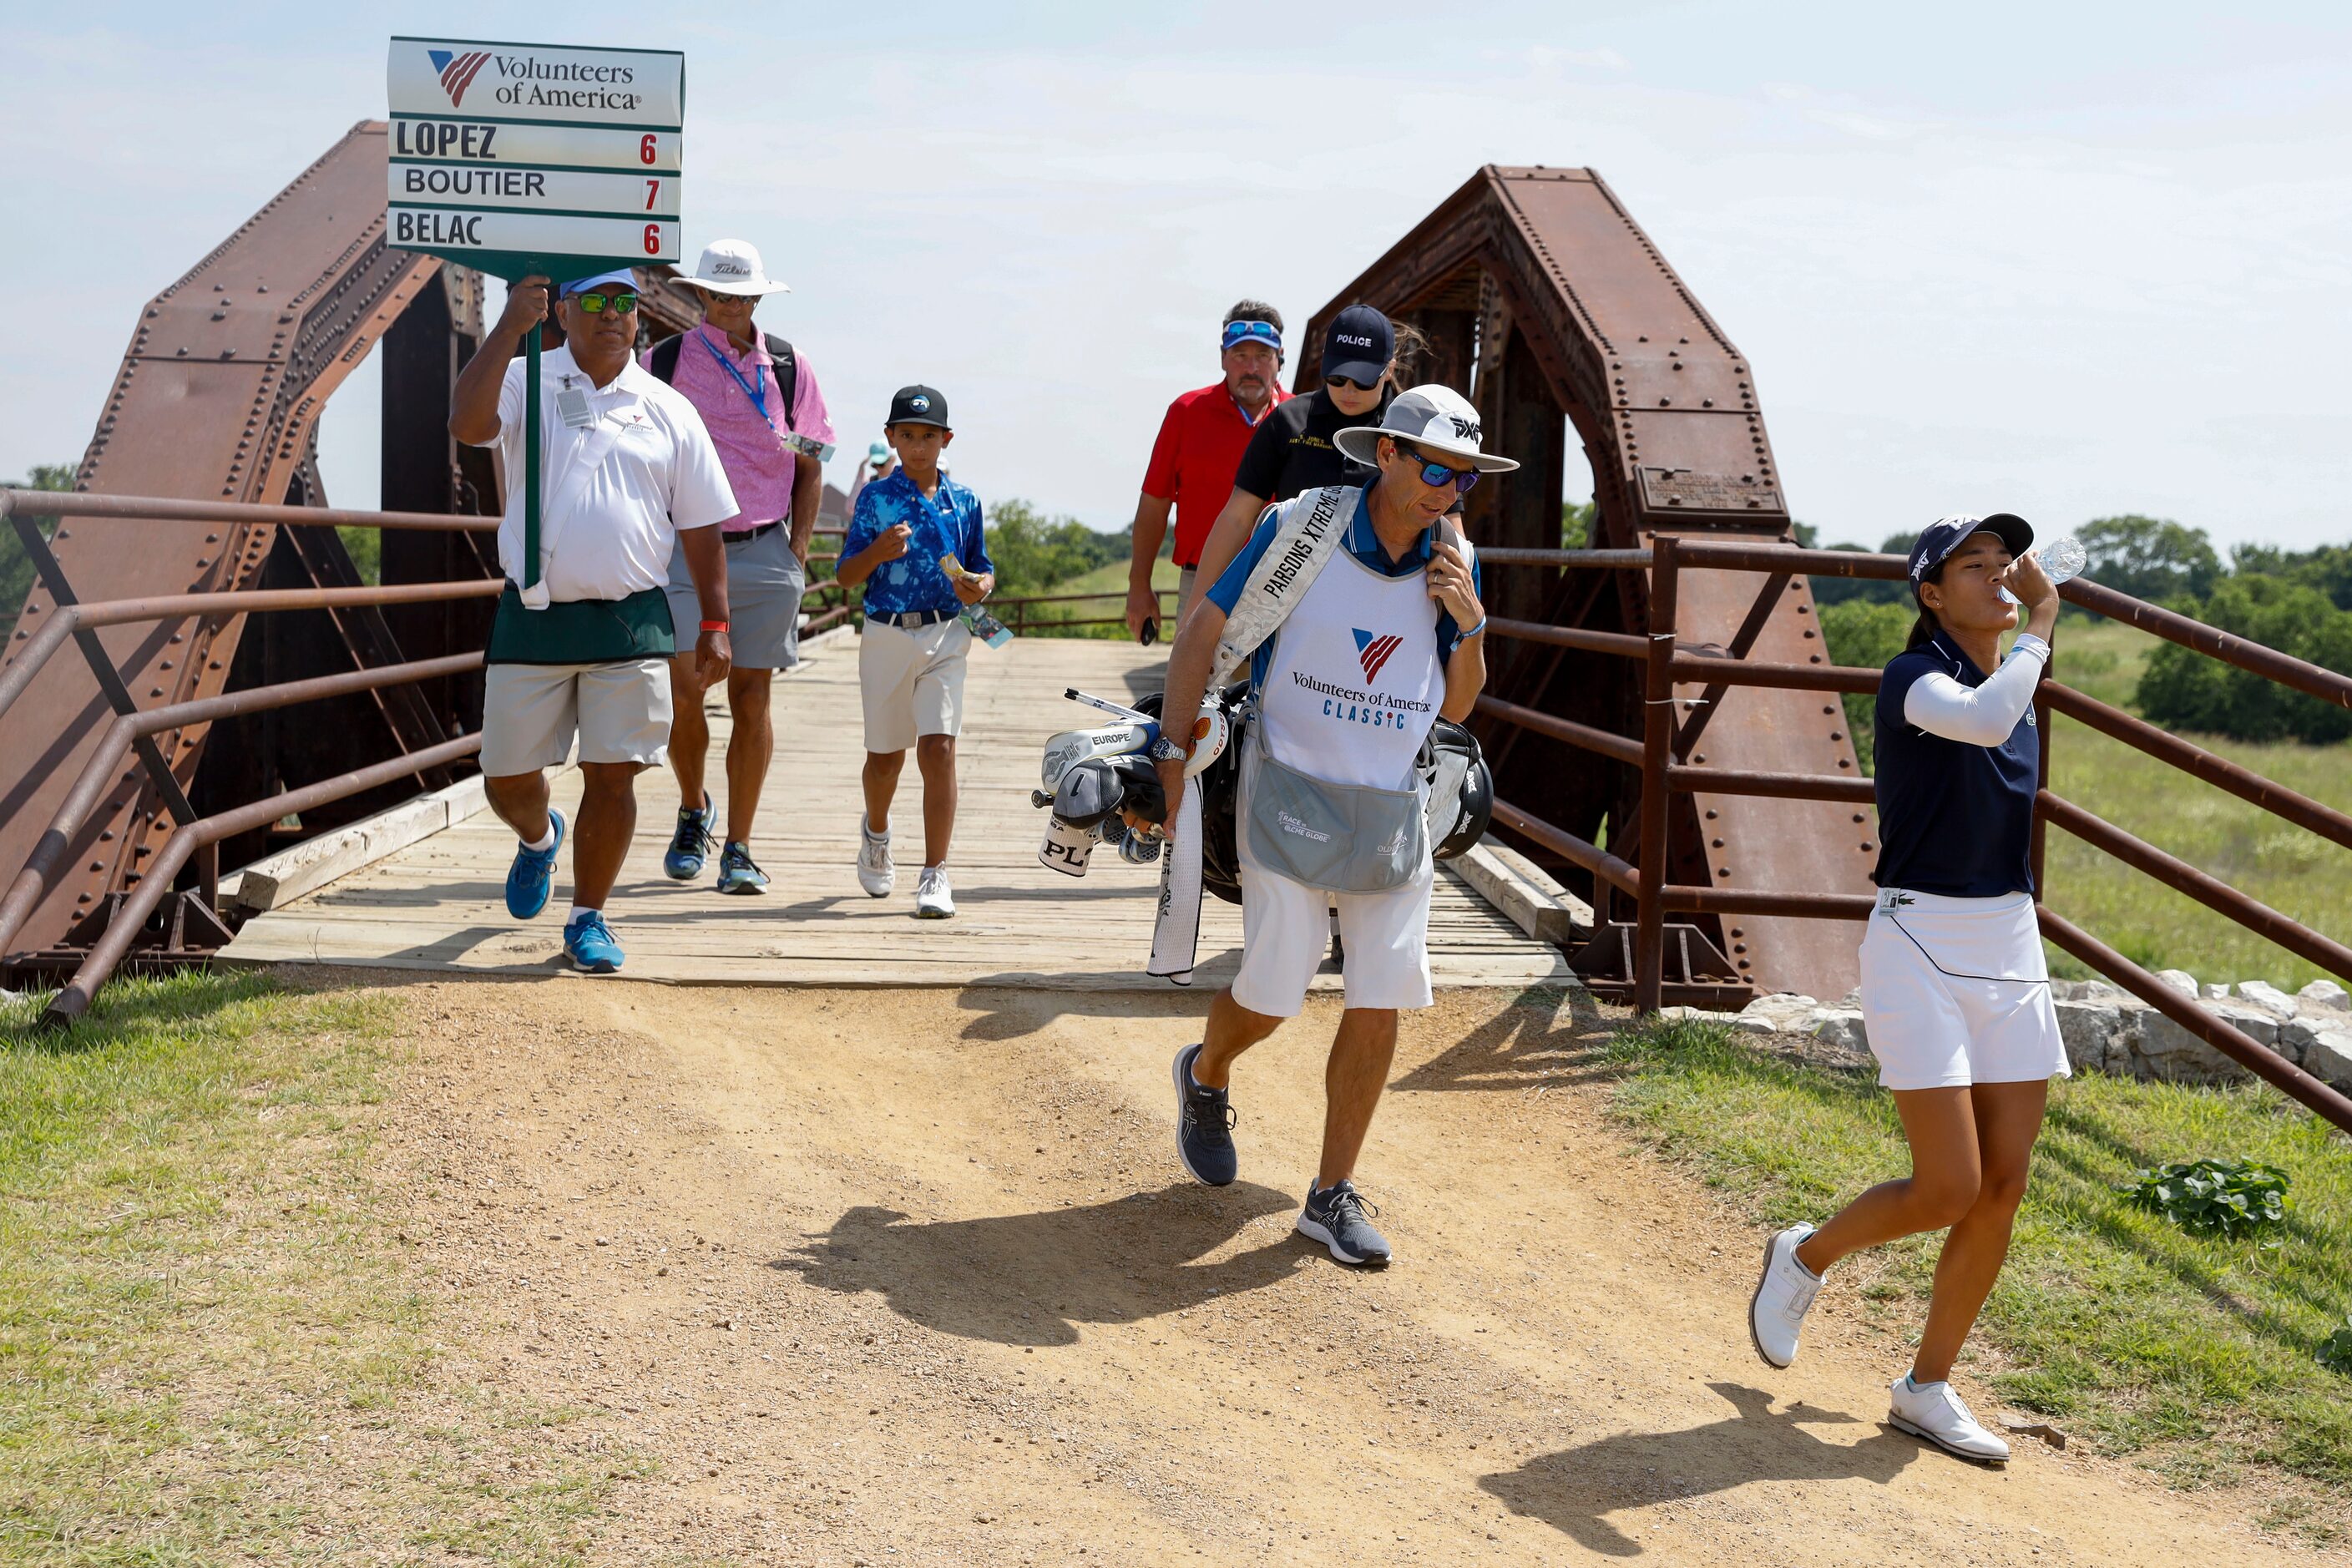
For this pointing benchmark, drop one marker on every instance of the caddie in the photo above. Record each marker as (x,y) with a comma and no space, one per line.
(1357,610)
(627,475)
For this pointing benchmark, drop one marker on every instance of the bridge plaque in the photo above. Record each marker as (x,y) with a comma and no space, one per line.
(1696,491)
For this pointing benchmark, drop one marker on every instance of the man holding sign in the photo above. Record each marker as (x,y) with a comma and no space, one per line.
(628,474)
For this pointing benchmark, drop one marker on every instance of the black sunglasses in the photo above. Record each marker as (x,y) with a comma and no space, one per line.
(1351,386)
(1435,474)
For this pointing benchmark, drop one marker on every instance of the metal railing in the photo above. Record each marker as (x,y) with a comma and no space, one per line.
(135,730)
(1659,750)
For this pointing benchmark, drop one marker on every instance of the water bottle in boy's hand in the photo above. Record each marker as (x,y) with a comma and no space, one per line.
(985,627)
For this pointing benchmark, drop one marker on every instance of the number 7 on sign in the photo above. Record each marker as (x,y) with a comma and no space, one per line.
(653,192)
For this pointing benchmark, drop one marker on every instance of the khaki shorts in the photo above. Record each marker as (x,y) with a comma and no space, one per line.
(1188,588)
(912,682)
(531,712)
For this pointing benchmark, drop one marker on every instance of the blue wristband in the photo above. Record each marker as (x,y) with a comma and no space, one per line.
(1461,638)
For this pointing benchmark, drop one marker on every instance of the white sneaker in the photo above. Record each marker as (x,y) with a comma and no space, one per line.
(1934,1414)
(934,900)
(876,872)
(1784,1294)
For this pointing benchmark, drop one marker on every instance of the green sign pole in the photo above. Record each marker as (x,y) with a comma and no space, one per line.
(530,459)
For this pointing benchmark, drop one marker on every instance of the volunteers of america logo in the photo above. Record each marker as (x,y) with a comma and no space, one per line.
(457,71)
(1394,843)
(1373,650)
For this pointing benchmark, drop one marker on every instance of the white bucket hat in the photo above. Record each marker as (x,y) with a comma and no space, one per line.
(1435,418)
(730,266)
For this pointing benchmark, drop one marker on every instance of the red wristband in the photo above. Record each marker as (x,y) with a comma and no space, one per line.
(714,626)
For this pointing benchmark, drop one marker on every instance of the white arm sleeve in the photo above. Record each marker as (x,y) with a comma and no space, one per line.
(1983,715)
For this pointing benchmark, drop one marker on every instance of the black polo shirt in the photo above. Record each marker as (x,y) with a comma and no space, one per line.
(1291,450)
(1954,819)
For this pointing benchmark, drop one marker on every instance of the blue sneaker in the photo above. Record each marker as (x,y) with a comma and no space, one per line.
(592,946)
(737,874)
(1204,1125)
(1337,1217)
(690,844)
(533,876)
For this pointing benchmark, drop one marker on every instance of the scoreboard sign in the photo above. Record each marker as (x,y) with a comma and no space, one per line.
(518,158)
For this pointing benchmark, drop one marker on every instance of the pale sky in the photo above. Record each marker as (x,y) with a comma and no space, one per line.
(2066,261)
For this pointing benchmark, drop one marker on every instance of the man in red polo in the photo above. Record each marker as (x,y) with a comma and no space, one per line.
(1192,463)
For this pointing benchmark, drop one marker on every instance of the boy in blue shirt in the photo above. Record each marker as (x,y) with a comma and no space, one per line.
(912,649)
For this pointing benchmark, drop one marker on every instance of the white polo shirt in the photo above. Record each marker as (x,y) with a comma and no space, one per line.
(614,492)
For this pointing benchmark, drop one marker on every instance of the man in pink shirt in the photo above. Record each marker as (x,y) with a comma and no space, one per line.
(765,415)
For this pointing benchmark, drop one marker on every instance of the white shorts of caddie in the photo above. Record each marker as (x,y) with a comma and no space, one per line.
(530,713)
(911,682)
(1956,991)
(1287,930)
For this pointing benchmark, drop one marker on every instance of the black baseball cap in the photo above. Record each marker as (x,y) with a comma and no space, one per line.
(1947,534)
(1359,345)
(917,405)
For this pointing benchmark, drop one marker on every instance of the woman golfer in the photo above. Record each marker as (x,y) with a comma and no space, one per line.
(1955,993)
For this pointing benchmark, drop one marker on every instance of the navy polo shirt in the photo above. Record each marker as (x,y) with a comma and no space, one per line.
(1954,819)
(1363,542)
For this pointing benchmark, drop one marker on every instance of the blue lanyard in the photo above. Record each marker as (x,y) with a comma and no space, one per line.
(756,390)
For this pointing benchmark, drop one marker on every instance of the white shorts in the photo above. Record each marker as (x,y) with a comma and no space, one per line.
(1287,930)
(530,713)
(1957,992)
(911,682)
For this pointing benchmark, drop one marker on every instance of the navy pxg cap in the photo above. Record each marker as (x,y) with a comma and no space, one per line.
(917,405)
(1947,534)
(1360,344)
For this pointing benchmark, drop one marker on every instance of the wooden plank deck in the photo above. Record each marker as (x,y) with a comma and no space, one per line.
(438,904)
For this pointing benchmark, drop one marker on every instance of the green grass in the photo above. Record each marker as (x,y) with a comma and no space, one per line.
(2296,872)
(2198,1354)
(211,1344)
(1109,578)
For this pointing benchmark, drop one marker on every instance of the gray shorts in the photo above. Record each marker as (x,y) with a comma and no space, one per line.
(764,581)
(531,713)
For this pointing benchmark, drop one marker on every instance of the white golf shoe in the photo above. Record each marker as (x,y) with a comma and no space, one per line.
(1933,1413)
(1784,1294)
(876,872)
(934,900)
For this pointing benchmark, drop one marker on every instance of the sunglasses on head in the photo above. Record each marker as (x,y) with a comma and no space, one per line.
(1437,474)
(1238,333)
(620,304)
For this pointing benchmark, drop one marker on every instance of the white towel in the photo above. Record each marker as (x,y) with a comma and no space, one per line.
(1176,932)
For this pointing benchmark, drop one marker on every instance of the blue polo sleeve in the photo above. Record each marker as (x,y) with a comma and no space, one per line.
(1226,591)
(864,523)
(974,553)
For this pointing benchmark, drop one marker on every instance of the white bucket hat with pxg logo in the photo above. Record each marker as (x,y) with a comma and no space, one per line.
(730,266)
(1437,419)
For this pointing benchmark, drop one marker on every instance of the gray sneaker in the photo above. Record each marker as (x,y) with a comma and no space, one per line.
(1337,1217)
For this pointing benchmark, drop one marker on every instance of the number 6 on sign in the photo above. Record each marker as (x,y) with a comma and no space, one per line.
(653,239)
(646,151)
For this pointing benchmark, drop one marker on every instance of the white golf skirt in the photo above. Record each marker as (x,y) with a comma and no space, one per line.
(1957,992)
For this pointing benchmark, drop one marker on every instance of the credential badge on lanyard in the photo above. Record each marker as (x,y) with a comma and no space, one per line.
(571,407)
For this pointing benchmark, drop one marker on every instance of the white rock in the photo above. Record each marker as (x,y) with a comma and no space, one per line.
(2324,994)
(1783,1013)
(1841,1026)
(2180,980)
(1698,1015)
(2217,992)
(2088,1029)
(2328,1057)
(2172,1052)
(2268,997)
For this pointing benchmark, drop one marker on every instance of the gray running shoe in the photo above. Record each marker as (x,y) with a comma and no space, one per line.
(1337,1217)
(1204,1125)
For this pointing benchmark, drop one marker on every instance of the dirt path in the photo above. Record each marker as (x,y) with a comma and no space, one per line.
(914,1278)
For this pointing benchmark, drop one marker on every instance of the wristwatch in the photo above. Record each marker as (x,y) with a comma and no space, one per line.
(1169,750)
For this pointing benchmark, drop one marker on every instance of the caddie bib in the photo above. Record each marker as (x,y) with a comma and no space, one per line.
(1354,684)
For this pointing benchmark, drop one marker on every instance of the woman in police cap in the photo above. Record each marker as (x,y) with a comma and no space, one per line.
(1955,991)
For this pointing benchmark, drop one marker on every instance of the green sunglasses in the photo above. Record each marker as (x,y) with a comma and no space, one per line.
(596,304)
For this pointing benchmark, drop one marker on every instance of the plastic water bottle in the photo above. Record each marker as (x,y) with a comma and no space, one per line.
(2062,559)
